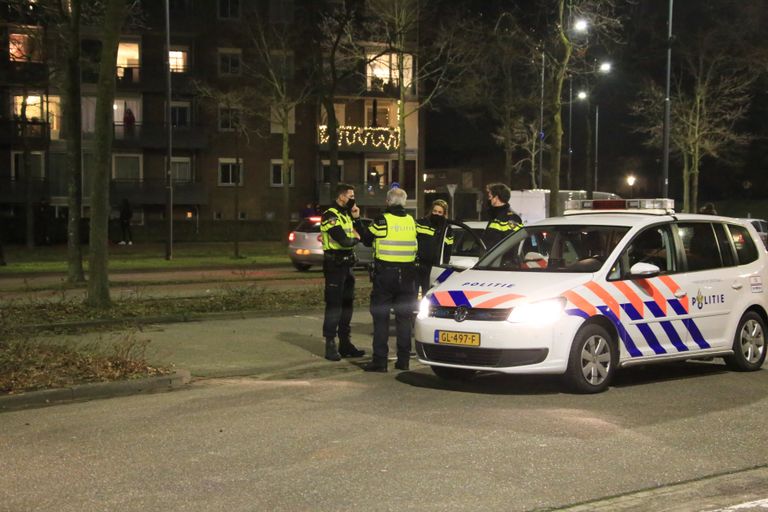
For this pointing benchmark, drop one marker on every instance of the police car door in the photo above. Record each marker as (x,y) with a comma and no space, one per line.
(712,282)
(652,306)
(459,253)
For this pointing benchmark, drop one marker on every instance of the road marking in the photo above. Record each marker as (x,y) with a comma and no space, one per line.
(745,506)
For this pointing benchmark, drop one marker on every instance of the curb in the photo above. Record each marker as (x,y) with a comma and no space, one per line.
(94,391)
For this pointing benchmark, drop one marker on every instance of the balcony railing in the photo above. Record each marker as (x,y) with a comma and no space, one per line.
(363,139)
(13,130)
(128,75)
(15,191)
(153,192)
(155,136)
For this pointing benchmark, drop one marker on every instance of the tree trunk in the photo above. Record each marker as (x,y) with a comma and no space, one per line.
(401,112)
(534,144)
(332,129)
(285,169)
(557,117)
(72,117)
(236,235)
(98,284)
(686,184)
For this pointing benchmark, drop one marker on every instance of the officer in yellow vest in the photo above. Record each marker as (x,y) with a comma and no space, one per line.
(339,228)
(393,236)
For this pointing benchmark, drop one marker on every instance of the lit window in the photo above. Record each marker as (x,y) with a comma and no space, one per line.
(179,60)
(128,61)
(24,48)
(382,70)
(276,176)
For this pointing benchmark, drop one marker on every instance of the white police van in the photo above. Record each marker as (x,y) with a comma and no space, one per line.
(611,284)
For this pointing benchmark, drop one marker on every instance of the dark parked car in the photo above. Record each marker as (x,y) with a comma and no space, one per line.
(305,245)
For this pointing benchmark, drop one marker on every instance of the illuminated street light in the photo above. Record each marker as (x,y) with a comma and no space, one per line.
(580,25)
(605,67)
(631,182)
(582,95)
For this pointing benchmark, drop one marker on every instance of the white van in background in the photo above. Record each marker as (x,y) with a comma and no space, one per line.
(533,205)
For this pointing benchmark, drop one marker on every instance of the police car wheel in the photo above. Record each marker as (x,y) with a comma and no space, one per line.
(748,344)
(453,373)
(301,267)
(592,361)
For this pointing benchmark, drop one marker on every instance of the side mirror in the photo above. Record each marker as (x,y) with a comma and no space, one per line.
(644,270)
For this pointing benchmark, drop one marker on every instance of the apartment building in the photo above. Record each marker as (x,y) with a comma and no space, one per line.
(211,44)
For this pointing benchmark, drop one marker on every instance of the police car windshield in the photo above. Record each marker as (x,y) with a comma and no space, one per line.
(573,248)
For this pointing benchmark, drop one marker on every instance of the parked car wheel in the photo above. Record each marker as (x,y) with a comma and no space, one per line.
(748,344)
(592,362)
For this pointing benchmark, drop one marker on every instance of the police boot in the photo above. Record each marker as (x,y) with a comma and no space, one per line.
(376,365)
(403,363)
(347,349)
(331,353)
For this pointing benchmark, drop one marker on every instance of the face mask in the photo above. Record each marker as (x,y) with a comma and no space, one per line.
(437,219)
(351,203)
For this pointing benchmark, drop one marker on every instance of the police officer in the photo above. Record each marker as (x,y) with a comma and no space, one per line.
(339,234)
(393,236)
(431,230)
(502,220)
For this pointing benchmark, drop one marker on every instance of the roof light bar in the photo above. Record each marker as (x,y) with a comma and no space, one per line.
(655,206)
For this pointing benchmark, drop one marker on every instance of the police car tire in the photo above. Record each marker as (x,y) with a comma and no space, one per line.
(453,373)
(301,267)
(750,336)
(574,374)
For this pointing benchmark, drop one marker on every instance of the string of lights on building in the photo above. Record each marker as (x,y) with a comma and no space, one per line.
(387,138)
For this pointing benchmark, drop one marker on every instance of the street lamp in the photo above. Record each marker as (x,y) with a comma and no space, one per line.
(631,182)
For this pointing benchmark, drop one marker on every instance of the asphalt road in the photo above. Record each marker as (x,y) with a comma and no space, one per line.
(330,437)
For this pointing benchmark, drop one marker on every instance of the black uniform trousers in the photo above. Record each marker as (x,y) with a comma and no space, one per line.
(422,279)
(394,287)
(339,298)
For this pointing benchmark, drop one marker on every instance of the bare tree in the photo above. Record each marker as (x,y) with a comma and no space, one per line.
(98,285)
(236,104)
(278,88)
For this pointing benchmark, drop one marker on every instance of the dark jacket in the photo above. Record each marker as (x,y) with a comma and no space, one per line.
(430,236)
(501,223)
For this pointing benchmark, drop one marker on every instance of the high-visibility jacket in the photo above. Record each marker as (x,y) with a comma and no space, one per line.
(502,223)
(331,218)
(395,241)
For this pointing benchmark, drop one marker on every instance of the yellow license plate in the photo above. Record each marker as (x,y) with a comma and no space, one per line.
(457,338)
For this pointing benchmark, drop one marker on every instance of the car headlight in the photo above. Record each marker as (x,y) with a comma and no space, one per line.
(423,308)
(540,313)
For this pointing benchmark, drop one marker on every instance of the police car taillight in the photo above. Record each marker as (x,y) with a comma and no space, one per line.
(292,236)
(315,219)
(651,206)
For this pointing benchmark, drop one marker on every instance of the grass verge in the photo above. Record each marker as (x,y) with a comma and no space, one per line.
(28,364)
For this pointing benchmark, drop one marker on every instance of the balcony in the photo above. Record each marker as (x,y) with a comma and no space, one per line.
(360,139)
(155,136)
(152,192)
(15,191)
(366,194)
(12,132)
(128,75)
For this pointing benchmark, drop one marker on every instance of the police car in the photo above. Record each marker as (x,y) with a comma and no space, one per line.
(611,284)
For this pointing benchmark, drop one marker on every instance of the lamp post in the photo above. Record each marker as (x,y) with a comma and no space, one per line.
(631,182)
(665,164)
(168,163)
(580,26)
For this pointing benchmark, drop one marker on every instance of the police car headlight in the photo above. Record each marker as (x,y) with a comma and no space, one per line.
(423,308)
(540,313)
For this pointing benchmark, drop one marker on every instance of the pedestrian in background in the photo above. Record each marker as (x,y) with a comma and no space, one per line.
(126,215)
(502,219)
(393,237)
(431,230)
(339,227)
(708,209)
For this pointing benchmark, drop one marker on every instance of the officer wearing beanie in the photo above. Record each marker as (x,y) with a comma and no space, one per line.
(502,220)
(339,229)
(393,236)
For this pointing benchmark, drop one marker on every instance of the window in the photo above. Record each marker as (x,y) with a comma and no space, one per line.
(243,215)
(382,70)
(88,106)
(35,112)
(36,164)
(181,114)
(379,116)
(181,169)
(229,118)
(376,174)
(229,174)
(701,249)
(128,62)
(217,215)
(127,117)
(724,244)
(340,109)
(276,122)
(325,171)
(178,5)
(178,58)
(229,62)
(654,246)
(276,176)
(24,47)
(745,246)
(229,9)
(127,167)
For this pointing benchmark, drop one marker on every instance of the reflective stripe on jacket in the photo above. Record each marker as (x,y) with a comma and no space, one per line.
(336,218)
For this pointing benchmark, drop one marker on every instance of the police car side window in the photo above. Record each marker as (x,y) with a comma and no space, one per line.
(724,243)
(746,251)
(654,246)
(700,245)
